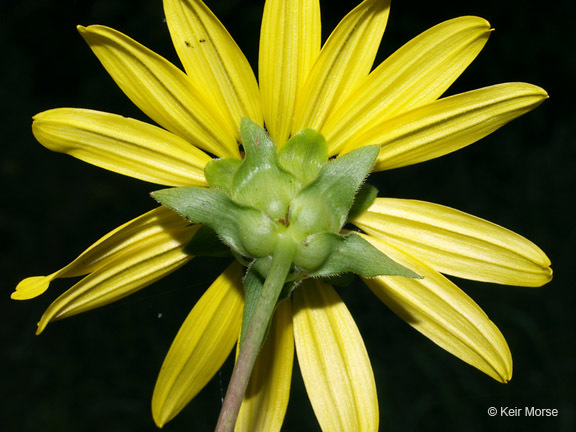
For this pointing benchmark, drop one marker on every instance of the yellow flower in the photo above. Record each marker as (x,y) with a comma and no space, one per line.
(333,90)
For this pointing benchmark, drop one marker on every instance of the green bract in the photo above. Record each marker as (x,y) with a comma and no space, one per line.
(295,196)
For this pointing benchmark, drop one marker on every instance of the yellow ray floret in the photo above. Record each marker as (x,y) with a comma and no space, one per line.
(202,344)
(345,59)
(213,61)
(447,125)
(416,74)
(107,249)
(162,91)
(289,45)
(457,243)
(333,360)
(122,145)
(442,312)
(135,268)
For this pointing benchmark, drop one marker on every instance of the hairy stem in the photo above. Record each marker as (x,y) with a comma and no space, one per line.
(255,334)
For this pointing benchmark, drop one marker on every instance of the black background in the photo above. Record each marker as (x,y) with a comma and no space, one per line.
(96,372)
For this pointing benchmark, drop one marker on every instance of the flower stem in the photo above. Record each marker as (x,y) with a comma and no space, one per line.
(255,334)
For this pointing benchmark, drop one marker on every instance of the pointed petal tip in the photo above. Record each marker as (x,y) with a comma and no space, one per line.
(538,277)
(41,326)
(48,316)
(91,30)
(486,23)
(31,287)
(548,275)
(161,411)
(37,117)
(158,419)
(481,22)
(500,372)
(507,375)
(540,91)
(500,368)
(84,31)
(530,89)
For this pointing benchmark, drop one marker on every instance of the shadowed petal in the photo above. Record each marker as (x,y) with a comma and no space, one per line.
(137,267)
(447,125)
(345,59)
(266,399)
(122,145)
(333,360)
(289,45)
(201,346)
(416,74)
(160,221)
(456,243)
(442,312)
(213,61)
(162,91)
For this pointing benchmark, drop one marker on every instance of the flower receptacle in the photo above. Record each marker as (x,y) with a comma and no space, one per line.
(295,197)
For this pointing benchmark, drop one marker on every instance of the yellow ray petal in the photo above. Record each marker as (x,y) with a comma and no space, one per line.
(162,91)
(333,360)
(201,346)
(213,61)
(345,59)
(417,74)
(442,312)
(448,124)
(135,268)
(122,145)
(106,249)
(266,399)
(32,287)
(456,243)
(289,45)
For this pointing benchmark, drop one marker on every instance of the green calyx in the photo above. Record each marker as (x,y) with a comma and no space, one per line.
(291,196)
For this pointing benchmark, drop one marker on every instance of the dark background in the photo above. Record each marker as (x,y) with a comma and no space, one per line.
(96,372)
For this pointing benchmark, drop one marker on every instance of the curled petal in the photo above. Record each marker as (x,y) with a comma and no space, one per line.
(213,61)
(266,399)
(456,243)
(447,125)
(333,360)
(416,74)
(346,58)
(162,91)
(122,145)
(289,46)
(201,346)
(136,267)
(120,241)
(442,312)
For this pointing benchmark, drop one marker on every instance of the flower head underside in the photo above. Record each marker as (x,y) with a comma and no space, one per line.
(282,161)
